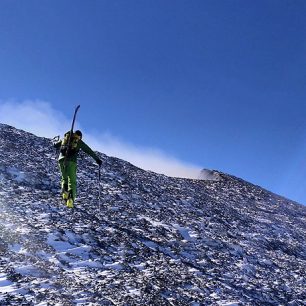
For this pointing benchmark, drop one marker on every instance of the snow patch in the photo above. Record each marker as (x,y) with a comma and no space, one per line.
(28,271)
(115,266)
(6,286)
(58,245)
(184,232)
(16,174)
(234,303)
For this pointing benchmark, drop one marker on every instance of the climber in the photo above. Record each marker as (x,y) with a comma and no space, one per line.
(69,149)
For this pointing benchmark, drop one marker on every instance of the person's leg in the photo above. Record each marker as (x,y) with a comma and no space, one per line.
(64,179)
(72,182)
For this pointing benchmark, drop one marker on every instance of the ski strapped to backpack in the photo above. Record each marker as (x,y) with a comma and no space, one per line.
(69,137)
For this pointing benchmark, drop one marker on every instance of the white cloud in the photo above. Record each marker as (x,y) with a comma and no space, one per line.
(39,118)
(145,158)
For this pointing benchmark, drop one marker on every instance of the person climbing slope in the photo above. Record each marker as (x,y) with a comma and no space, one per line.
(69,149)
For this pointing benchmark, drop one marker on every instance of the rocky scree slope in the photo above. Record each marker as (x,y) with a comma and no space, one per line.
(150,240)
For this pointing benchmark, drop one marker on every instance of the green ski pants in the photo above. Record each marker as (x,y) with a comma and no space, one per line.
(68,180)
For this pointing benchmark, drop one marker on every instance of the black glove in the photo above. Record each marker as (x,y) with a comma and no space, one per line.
(99,162)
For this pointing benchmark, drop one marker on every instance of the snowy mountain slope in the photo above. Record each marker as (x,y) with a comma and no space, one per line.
(152,240)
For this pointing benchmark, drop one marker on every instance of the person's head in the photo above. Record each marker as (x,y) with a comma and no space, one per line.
(79,133)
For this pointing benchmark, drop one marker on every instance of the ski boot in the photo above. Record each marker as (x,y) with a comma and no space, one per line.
(65,195)
(69,201)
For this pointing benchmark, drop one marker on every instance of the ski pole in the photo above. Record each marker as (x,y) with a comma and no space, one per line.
(99,181)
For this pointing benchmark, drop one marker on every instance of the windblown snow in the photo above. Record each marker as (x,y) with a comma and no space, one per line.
(149,240)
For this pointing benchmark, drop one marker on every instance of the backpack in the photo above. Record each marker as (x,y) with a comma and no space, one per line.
(72,149)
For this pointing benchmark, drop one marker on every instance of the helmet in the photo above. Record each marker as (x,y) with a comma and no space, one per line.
(79,133)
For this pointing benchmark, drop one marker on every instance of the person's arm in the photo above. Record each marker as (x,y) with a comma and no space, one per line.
(58,144)
(85,148)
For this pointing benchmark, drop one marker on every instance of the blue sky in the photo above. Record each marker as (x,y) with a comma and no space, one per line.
(213,84)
